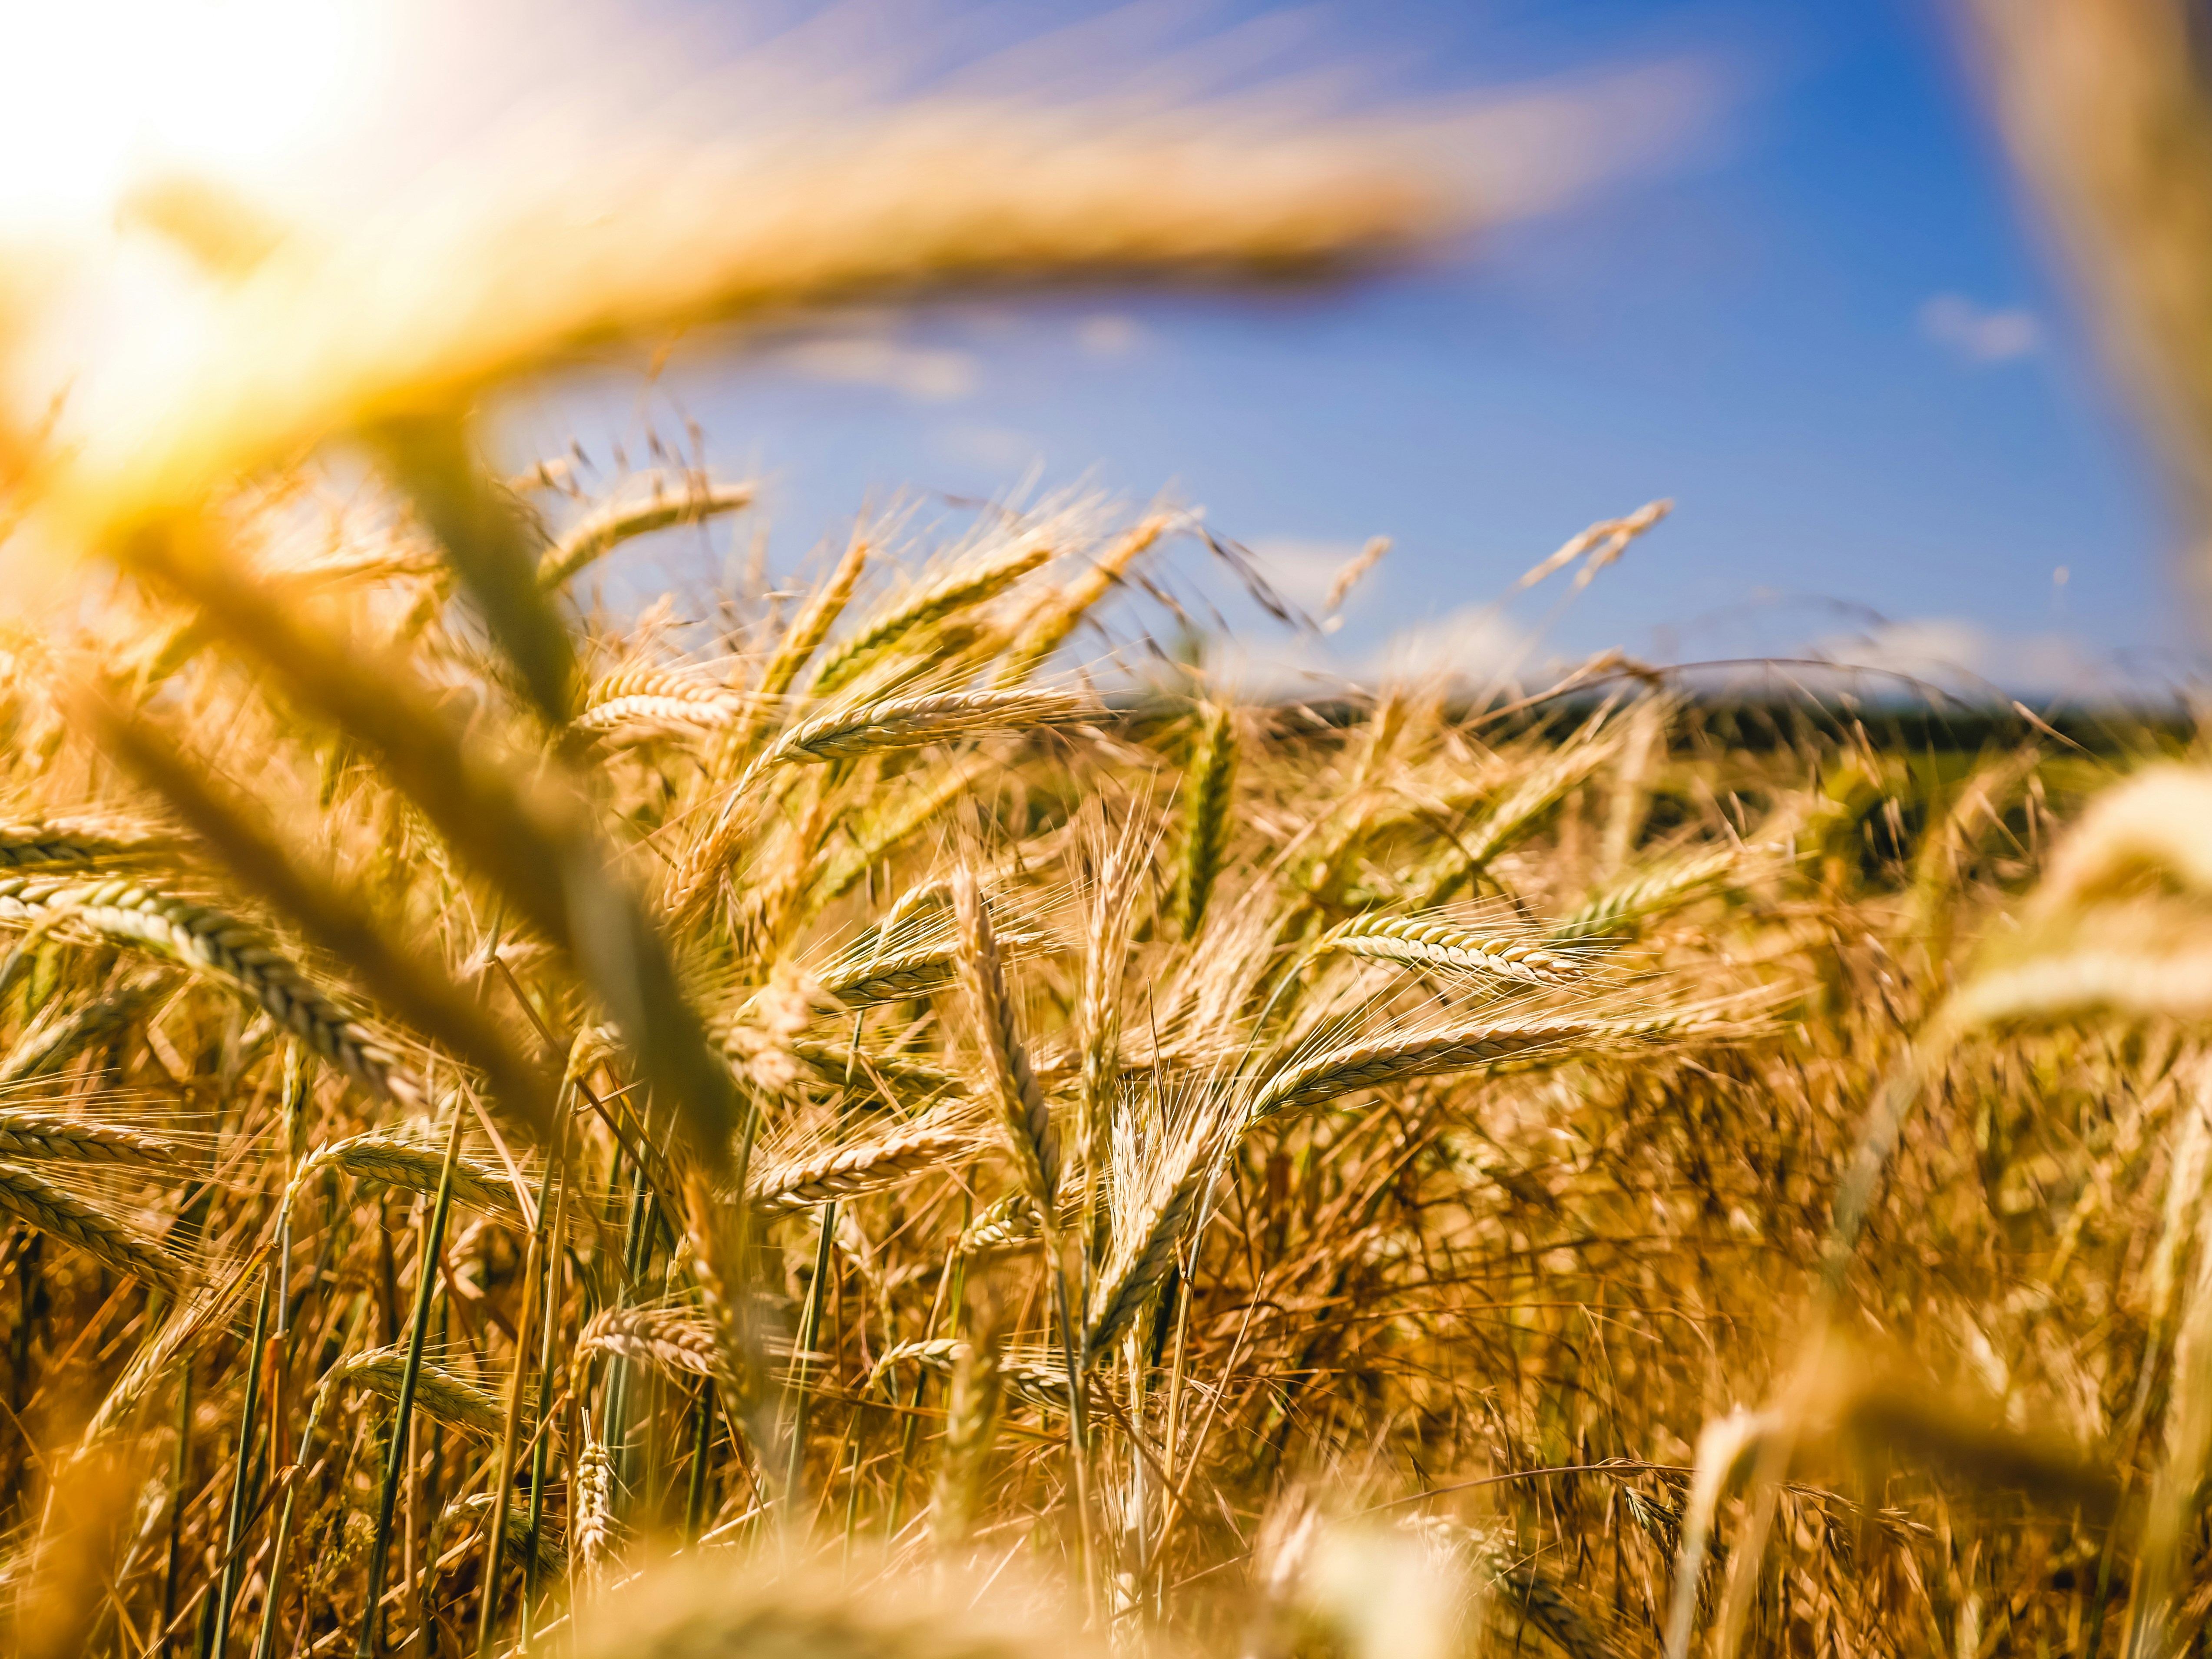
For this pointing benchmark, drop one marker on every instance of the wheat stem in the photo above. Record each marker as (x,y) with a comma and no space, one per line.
(408,1381)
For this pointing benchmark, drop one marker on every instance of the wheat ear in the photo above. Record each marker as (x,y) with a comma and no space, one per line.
(51,1046)
(842,1172)
(1133,1275)
(1371,1064)
(1110,924)
(1626,906)
(971,1422)
(912,722)
(1522,810)
(657,698)
(913,951)
(1010,1223)
(438,1392)
(601,533)
(78,1140)
(836,1063)
(916,971)
(520,1546)
(1058,616)
(800,640)
(1208,784)
(1024,1116)
(411,1167)
(1443,944)
(102,1236)
(1037,1377)
(956,591)
(674,1341)
(79,841)
(234,951)
(848,734)
(885,833)
(592,1528)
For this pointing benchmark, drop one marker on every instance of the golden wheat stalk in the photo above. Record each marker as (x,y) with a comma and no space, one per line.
(1010,1223)
(971,1421)
(185,1324)
(412,982)
(917,971)
(1609,537)
(1208,783)
(848,734)
(593,1529)
(1522,808)
(800,640)
(1132,1276)
(914,722)
(652,697)
(882,835)
(834,1063)
(912,951)
(1057,618)
(527,831)
(410,1167)
(520,1544)
(1110,924)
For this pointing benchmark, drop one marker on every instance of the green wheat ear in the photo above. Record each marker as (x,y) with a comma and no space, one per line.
(1208,782)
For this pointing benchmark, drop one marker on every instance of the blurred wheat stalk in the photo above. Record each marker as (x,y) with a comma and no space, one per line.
(2108,109)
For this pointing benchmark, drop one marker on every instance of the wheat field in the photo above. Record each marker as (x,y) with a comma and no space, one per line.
(835,1120)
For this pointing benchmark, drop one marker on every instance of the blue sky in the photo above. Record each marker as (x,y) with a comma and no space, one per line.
(1827,329)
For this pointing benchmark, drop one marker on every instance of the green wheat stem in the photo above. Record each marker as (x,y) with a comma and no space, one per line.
(395,1462)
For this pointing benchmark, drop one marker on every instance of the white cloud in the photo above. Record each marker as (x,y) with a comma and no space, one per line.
(1980,334)
(1469,648)
(1474,643)
(925,374)
(1965,656)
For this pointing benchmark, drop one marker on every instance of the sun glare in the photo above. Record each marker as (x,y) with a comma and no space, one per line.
(95,94)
